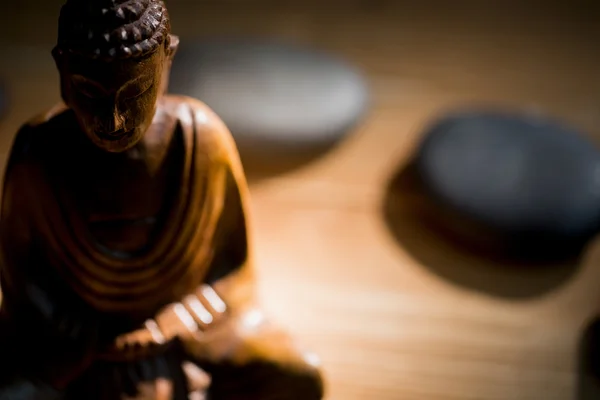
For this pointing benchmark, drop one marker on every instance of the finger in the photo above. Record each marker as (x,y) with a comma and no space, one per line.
(215,303)
(201,315)
(198,380)
(197,396)
(197,311)
(185,319)
(152,381)
(164,389)
(163,384)
(160,389)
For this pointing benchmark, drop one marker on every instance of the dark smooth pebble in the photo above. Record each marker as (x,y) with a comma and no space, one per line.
(272,96)
(532,181)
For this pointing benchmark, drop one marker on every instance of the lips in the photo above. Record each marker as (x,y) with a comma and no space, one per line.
(112,136)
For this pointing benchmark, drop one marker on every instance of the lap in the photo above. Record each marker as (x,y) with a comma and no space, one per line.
(160,377)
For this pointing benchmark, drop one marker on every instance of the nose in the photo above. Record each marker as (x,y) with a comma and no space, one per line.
(110,122)
(115,123)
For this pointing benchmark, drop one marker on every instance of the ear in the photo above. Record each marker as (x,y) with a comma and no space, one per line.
(58,56)
(59,59)
(173,45)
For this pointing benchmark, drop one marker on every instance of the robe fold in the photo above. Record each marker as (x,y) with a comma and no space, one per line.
(52,263)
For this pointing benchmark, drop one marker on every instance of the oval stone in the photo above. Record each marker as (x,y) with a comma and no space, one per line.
(273,97)
(529,179)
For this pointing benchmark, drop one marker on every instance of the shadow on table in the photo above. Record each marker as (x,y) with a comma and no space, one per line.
(261,162)
(588,380)
(473,259)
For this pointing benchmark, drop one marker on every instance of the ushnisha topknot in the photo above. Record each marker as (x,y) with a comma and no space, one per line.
(111,29)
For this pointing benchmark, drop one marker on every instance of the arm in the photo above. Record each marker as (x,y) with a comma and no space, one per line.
(232,270)
(35,357)
(247,356)
(14,249)
(15,234)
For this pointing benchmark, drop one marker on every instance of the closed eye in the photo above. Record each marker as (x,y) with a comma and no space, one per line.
(133,94)
(136,88)
(88,88)
(89,92)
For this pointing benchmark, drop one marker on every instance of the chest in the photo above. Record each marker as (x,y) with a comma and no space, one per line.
(122,188)
(123,198)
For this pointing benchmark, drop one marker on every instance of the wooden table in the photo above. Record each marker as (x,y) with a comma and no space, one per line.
(388,324)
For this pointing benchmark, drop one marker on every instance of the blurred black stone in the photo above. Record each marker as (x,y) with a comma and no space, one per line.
(461,252)
(280,101)
(530,183)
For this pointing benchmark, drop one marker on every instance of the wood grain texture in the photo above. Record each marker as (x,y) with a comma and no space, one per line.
(385,323)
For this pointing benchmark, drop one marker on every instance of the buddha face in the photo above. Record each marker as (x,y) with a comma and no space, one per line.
(115,101)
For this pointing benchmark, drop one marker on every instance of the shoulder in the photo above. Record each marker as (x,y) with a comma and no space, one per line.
(212,135)
(34,133)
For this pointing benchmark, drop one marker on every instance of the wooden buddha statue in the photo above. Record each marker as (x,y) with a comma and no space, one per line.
(127,266)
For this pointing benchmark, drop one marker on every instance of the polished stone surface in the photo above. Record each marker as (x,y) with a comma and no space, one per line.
(274,97)
(523,176)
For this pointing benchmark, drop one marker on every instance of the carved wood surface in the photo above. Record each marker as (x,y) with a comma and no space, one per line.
(385,325)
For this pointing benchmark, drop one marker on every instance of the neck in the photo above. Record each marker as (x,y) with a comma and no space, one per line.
(154,145)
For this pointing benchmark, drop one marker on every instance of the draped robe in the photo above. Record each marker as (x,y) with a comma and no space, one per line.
(52,265)
(57,278)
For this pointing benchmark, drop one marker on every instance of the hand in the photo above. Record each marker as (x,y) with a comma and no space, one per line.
(246,356)
(249,358)
(259,380)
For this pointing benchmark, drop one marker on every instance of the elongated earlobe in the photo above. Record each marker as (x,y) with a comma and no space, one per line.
(173,44)
(57,54)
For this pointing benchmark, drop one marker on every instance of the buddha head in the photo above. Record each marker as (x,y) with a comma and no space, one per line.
(114,59)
